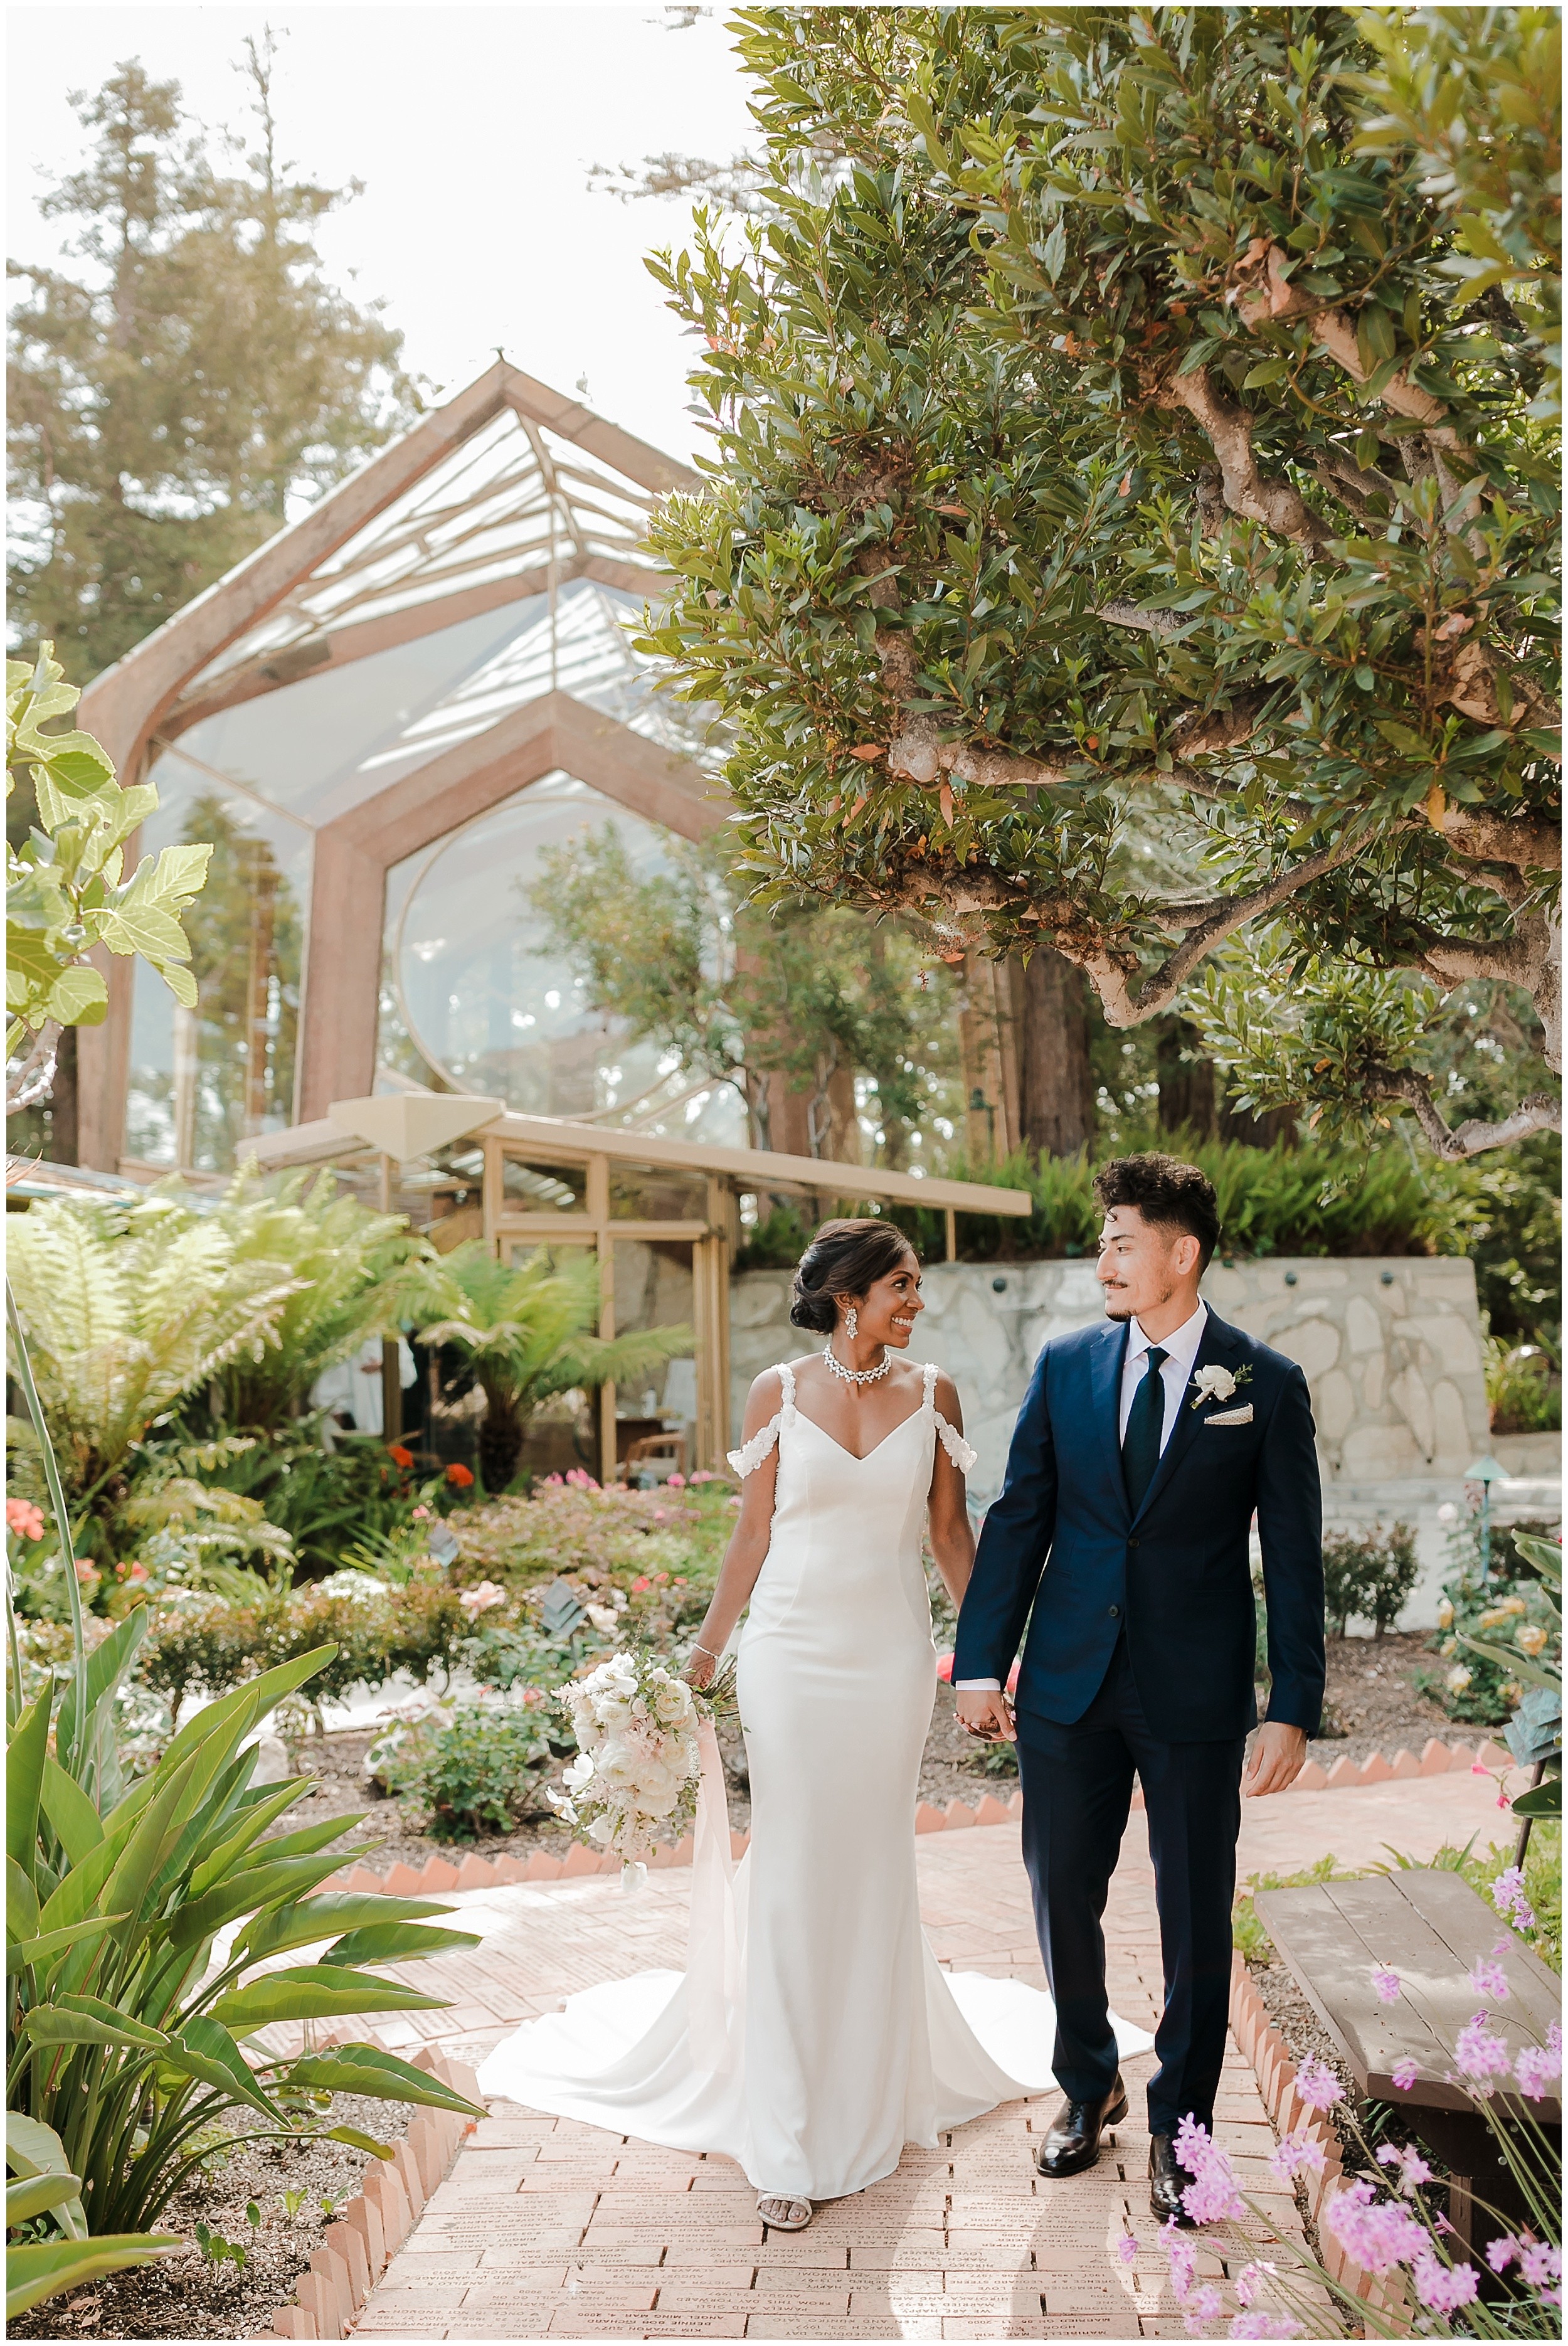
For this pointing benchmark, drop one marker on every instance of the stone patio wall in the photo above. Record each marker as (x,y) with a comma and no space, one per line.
(1391,1347)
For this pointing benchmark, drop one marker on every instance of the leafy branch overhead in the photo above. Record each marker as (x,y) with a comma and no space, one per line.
(1139,454)
(64,890)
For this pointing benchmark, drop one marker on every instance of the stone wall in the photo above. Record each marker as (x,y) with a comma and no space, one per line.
(1391,1347)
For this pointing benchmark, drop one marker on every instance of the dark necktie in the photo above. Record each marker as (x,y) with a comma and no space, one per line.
(1146,1422)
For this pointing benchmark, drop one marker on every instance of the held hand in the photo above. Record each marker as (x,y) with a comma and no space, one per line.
(986,1714)
(699,1671)
(1278,1757)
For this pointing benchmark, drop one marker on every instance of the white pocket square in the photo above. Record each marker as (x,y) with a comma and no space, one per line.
(1242,1416)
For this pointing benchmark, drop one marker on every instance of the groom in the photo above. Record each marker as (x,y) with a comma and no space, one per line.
(1142,1450)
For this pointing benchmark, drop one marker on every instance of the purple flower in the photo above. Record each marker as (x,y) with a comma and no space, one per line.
(1214,2193)
(1413,2169)
(1443,2287)
(1249,2281)
(1208,2303)
(1378,2233)
(1128,2249)
(1500,2254)
(1297,2154)
(1318,2085)
(1482,2054)
(1405,2074)
(1508,1898)
(1490,1979)
(1386,1984)
(1260,2323)
(1537,2068)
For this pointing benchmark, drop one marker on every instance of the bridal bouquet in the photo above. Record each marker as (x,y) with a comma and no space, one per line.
(639,1759)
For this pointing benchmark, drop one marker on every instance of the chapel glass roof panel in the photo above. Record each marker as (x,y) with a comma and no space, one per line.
(513,498)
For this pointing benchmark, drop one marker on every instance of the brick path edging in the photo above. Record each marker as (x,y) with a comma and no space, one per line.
(1265,2047)
(476,1872)
(358,2248)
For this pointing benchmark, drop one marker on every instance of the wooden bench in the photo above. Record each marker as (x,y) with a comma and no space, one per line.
(1431,1927)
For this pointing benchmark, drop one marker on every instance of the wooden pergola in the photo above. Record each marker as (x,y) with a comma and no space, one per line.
(615,1186)
(506,493)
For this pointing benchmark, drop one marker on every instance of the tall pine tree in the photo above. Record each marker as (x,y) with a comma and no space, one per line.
(193,382)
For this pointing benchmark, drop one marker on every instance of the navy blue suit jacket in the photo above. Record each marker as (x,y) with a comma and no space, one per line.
(1063,1550)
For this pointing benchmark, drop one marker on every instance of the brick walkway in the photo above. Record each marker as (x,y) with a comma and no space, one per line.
(549,2228)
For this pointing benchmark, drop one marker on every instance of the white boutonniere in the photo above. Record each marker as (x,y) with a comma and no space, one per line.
(1215,1383)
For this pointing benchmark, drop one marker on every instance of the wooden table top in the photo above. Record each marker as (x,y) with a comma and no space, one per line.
(1431,1927)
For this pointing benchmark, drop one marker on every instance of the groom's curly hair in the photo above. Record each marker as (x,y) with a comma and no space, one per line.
(1166,1192)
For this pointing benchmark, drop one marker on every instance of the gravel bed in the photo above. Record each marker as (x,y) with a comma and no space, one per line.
(184,2295)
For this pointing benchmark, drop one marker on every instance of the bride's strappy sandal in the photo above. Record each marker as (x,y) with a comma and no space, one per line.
(792,2220)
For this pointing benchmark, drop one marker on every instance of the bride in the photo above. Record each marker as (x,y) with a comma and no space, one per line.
(813,2033)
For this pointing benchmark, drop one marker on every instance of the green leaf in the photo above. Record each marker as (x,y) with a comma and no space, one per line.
(21,1952)
(265,1884)
(205,2049)
(46,2023)
(79,996)
(144,929)
(36,2193)
(21,1900)
(1542,1799)
(24,1758)
(1543,1555)
(380,2076)
(396,1942)
(71,1814)
(336,1911)
(41,2269)
(34,2148)
(361,2141)
(316,1992)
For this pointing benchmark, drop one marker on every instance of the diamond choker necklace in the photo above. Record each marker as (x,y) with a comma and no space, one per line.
(857,1376)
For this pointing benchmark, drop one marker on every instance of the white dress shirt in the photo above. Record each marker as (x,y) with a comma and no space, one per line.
(1180,1349)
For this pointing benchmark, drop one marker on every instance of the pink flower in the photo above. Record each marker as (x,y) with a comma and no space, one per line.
(1413,2169)
(421,1514)
(1297,2154)
(1262,2322)
(23,1518)
(1181,2254)
(1508,1897)
(1128,2249)
(641,1582)
(1404,2074)
(480,1599)
(1378,2233)
(1443,2287)
(1205,2305)
(1537,2068)
(1213,2195)
(1489,1978)
(1249,2281)
(1481,2055)
(1500,2254)
(1318,2085)
(139,1571)
(675,1482)
(1542,2266)
(1386,1984)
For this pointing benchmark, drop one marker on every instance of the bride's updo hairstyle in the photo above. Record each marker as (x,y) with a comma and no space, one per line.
(843,1259)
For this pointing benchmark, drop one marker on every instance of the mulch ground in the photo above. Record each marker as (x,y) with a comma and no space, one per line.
(184,2295)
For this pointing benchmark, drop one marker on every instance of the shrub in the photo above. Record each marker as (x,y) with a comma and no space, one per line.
(616,1537)
(474,1768)
(1522,1388)
(1368,1576)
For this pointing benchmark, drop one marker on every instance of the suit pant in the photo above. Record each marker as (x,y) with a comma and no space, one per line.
(1077,1793)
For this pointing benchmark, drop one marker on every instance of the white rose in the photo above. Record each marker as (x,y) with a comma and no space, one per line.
(602,1617)
(1215,1383)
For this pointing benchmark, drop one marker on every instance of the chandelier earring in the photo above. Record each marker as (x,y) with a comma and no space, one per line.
(851,1322)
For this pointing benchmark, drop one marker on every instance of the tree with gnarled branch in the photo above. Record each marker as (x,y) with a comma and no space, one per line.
(1132,521)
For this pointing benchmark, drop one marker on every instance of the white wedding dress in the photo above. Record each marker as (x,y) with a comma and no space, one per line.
(813,2033)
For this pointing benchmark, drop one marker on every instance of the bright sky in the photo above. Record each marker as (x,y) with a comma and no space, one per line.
(474,129)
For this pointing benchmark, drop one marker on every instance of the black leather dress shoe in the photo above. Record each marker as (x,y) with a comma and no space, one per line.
(1169,2178)
(1072,2142)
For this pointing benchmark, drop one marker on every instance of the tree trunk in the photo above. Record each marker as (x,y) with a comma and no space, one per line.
(1056,1083)
(987,1043)
(63,1142)
(500,1443)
